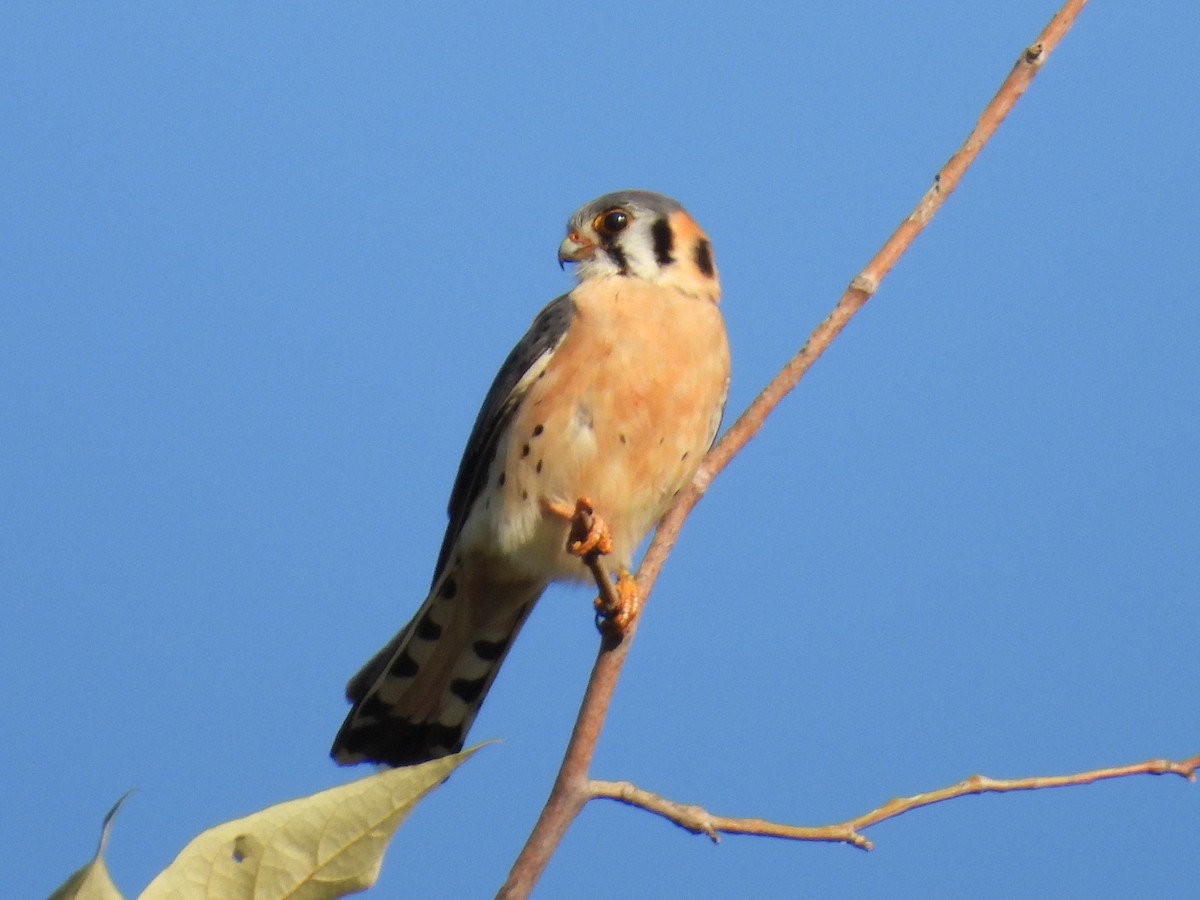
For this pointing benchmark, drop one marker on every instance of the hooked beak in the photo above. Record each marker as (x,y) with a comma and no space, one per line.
(573,249)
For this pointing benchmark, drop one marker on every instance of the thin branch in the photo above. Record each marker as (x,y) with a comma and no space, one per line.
(981,784)
(569,793)
(699,821)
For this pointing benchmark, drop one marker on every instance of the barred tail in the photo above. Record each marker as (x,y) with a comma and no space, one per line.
(417,697)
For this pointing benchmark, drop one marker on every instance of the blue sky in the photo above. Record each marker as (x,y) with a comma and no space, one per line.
(260,264)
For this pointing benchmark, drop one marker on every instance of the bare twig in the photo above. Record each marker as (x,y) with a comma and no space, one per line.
(699,821)
(570,791)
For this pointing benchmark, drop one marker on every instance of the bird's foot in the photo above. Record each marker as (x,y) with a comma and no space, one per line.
(589,535)
(589,538)
(618,607)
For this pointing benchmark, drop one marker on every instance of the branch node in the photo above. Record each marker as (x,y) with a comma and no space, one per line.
(864,283)
(862,843)
(700,822)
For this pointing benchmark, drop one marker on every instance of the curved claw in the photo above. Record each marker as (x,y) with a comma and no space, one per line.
(616,611)
(588,532)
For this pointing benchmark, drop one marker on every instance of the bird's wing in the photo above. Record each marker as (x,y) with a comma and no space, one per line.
(526,361)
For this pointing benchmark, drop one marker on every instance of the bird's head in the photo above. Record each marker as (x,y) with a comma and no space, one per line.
(640,234)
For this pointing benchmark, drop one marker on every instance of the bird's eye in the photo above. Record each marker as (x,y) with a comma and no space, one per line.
(609,223)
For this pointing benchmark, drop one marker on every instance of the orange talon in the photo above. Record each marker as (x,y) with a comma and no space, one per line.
(631,602)
(589,538)
(560,509)
(616,610)
(588,533)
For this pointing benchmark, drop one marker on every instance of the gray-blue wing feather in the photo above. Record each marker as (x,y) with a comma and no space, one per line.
(543,337)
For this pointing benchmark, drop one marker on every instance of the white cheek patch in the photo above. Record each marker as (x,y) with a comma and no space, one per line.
(598,265)
(637,252)
(640,258)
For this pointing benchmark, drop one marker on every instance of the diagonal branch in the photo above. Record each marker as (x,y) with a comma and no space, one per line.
(570,791)
(699,821)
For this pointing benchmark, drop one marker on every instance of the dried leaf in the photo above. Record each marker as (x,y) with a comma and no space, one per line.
(92,881)
(327,845)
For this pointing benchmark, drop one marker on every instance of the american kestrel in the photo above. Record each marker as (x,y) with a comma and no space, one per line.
(614,394)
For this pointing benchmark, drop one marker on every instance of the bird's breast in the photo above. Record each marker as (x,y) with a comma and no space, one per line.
(622,414)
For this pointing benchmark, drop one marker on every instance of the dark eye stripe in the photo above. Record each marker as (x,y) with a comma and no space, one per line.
(664,242)
(617,255)
(704,260)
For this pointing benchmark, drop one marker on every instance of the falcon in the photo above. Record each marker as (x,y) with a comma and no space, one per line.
(606,405)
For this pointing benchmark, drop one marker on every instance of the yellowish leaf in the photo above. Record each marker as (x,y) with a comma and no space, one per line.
(92,881)
(324,846)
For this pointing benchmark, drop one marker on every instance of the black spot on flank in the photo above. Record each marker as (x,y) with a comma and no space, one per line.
(468,690)
(500,481)
(404,666)
(704,260)
(538,429)
(538,467)
(617,255)
(685,456)
(449,589)
(428,630)
(524,495)
(624,440)
(664,242)
(490,651)
(524,451)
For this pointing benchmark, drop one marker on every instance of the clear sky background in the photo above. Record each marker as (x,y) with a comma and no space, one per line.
(261,262)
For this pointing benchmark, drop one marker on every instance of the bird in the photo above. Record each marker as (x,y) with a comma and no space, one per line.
(607,404)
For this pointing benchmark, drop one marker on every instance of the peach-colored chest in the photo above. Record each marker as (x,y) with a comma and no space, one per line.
(622,414)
